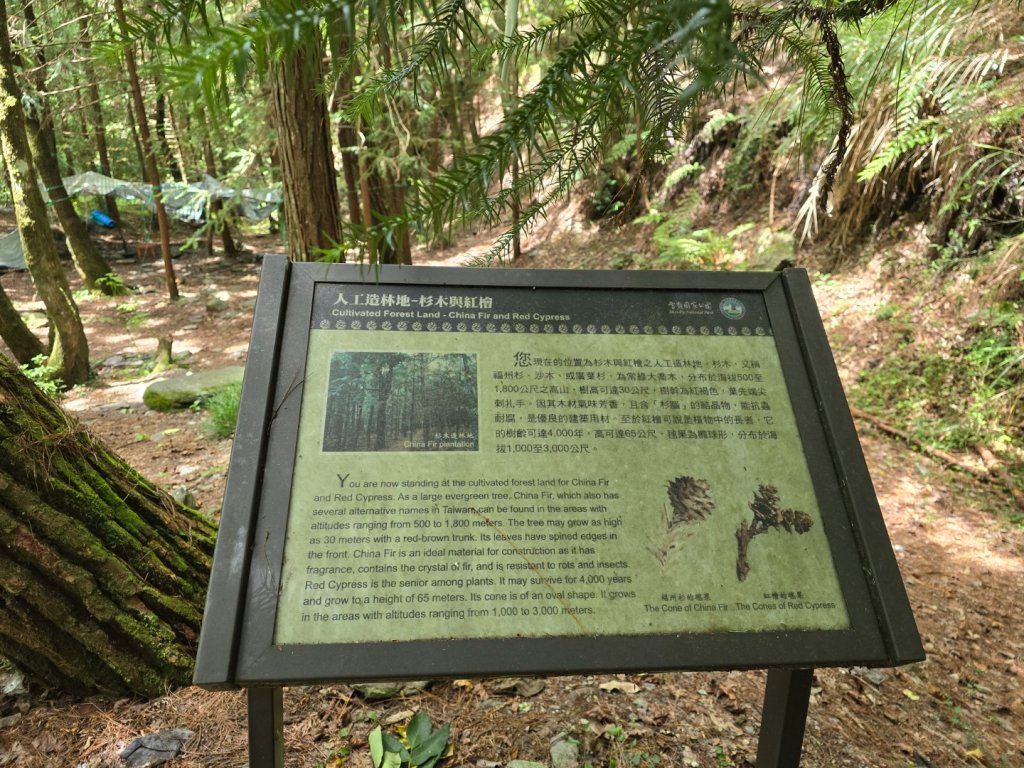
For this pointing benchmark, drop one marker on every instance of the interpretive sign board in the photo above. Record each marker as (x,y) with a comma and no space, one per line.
(455,472)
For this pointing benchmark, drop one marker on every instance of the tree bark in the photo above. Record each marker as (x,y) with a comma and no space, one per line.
(42,139)
(348,139)
(304,148)
(69,356)
(152,172)
(89,263)
(217,220)
(99,126)
(103,576)
(19,339)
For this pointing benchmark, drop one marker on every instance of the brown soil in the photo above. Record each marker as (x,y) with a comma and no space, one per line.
(962,561)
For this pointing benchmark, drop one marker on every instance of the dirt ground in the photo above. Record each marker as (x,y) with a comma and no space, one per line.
(961,557)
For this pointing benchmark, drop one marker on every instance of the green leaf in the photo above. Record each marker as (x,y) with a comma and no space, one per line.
(376,742)
(427,752)
(419,728)
(394,746)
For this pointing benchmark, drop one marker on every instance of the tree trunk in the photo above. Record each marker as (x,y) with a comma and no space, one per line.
(377,202)
(19,339)
(217,220)
(152,172)
(99,126)
(140,156)
(348,138)
(403,243)
(178,148)
(509,95)
(103,576)
(89,263)
(42,139)
(304,148)
(69,356)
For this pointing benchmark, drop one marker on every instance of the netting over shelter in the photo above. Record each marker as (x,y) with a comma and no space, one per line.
(187,202)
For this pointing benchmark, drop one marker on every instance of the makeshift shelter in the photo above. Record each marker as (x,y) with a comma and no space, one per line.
(11,256)
(186,202)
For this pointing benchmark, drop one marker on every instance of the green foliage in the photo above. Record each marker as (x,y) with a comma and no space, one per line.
(970,395)
(419,746)
(43,376)
(112,284)
(679,246)
(924,79)
(222,412)
(681,173)
(611,67)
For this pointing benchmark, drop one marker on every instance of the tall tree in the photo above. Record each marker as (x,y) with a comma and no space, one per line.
(92,267)
(340,37)
(509,77)
(310,186)
(69,353)
(148,151)
(102,576)
(217,220)
(95,105)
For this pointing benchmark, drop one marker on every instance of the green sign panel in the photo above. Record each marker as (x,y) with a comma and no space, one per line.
(479,484)
(550,461)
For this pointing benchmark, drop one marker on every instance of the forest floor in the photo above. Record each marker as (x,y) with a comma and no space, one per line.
(958,544)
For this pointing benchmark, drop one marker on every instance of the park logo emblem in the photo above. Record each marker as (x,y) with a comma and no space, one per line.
(734,309)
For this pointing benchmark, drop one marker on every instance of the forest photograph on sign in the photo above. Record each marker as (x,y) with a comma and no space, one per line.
(401,401)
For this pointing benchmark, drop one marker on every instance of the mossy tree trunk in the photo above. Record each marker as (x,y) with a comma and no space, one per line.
(102,577)
(69,355)
(42,139)
(19,339)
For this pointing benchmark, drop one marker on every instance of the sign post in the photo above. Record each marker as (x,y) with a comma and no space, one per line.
(459,472)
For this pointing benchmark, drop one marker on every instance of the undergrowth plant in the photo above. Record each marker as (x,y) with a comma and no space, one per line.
(43,376)
(925,78)
(222,412)
(417,745)
(972,395)
(680,247)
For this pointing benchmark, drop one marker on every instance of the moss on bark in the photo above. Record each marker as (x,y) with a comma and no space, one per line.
(102,576)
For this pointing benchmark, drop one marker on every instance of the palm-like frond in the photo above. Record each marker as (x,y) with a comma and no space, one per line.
(914,105)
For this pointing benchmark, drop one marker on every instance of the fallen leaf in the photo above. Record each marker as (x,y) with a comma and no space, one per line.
(398,717)
(622,686)
(910,694)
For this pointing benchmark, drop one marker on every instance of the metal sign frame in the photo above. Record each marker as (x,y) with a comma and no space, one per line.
(237,646)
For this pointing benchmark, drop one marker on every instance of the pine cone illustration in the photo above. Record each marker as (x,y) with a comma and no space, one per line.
(690,498)
(765,507)
(795,520)
(767,515)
